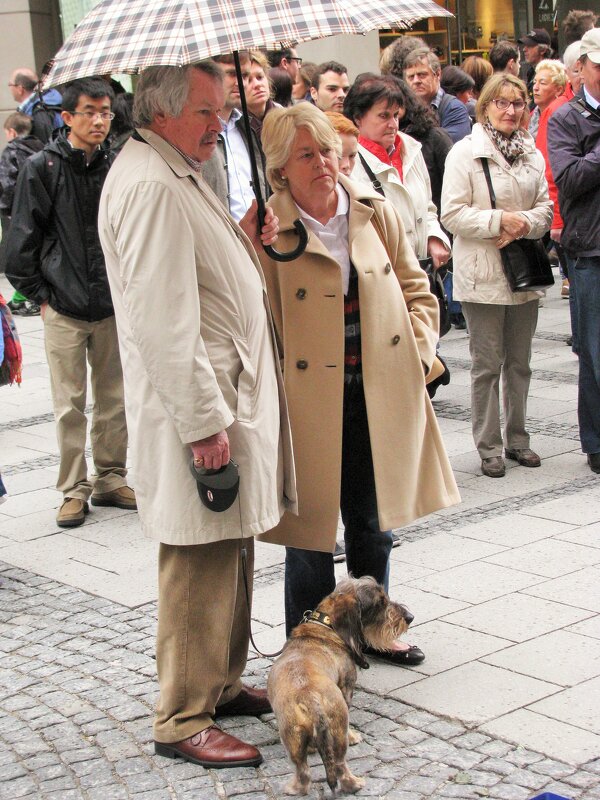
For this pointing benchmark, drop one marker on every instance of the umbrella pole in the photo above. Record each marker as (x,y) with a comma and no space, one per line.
(260,202)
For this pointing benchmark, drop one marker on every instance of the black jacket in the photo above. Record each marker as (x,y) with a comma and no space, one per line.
(14,155)
(53,251)
(574,152)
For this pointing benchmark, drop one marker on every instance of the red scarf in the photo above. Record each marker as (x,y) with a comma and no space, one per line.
(394,160)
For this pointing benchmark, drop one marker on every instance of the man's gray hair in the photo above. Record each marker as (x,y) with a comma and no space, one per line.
(423,54)
(164,90)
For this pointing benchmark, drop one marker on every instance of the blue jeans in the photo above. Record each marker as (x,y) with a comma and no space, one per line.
(586,276)
(573,301)
(454,307)
(309,574)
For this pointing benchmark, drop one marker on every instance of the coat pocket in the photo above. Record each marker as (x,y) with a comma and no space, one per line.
(246,384)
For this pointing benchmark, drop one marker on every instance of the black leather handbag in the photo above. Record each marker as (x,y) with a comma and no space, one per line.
(436,287)
(525,261)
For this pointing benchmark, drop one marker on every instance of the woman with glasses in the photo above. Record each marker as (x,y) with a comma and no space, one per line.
(501,322)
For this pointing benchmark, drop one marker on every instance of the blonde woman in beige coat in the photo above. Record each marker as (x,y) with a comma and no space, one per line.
(357,328)
(501,322)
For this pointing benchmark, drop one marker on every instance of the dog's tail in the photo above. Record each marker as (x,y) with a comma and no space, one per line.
(325,746)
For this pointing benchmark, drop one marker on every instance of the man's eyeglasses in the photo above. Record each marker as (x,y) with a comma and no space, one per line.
(503,105)
(91,115)
(296,58)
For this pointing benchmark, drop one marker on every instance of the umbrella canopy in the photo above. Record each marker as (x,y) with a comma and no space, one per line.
(129,35)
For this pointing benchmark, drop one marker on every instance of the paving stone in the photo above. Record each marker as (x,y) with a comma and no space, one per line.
(551,768)
(582,780)
(507,792)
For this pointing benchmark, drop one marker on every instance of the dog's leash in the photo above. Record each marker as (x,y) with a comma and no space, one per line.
(244,556)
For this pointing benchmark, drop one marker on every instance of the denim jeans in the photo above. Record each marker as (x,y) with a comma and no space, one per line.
(573,302)
(454,307)
(587,298)
(309,574)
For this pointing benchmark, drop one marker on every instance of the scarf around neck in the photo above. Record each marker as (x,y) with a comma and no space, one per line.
(511,146)
(394,159)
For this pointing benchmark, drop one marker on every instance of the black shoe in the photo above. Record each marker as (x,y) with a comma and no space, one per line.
(339,554)
(16,306)
(593,460)
(458,321)
(401,658)
(30,309)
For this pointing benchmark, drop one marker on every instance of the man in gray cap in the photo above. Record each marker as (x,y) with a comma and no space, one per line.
(574,148)
(536,46)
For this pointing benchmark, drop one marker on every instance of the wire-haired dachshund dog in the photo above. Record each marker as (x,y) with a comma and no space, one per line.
(310,685)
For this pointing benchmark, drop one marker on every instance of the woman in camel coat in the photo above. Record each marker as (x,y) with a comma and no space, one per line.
(364,431)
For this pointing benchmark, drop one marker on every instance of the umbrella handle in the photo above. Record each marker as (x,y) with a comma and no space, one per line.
(276,255)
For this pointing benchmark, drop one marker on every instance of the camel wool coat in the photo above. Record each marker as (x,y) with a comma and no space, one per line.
(399,319)
(197,347)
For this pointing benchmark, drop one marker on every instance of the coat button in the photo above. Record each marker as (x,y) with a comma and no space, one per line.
(419,220)
(395,339)
(302,364)
(387,269)
(301,294)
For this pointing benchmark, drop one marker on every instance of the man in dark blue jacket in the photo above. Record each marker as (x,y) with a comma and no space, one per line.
(574,151)
(54,258)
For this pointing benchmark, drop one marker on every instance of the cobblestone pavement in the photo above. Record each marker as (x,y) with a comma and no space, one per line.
(77,687)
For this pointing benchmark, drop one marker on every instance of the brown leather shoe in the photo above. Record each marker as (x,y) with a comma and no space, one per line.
(249,702)
(212,748)
(525,457)
(123,497)
(493,467)
(72,513)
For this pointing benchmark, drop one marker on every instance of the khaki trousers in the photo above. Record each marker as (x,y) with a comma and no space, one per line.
(68,343)
(203,633)
(500,343)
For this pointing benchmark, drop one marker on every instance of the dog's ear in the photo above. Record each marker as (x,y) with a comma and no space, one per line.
(345,618)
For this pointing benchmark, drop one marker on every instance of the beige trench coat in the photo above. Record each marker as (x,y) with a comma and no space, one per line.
(196,344)
(467,213)
(399,319)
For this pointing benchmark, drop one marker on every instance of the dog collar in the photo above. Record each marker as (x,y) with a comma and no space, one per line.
(319,618)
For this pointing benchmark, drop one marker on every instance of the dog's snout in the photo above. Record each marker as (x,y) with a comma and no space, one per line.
(408,617)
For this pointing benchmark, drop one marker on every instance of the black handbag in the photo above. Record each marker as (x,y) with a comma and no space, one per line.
(525,261)
(436,287)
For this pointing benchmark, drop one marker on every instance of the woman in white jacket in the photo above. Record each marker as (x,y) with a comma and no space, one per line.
(501,322)
(392,162)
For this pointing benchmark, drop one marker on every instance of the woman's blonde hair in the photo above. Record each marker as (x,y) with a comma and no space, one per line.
(558,74)
(491,91)
(258,57)
(279,132)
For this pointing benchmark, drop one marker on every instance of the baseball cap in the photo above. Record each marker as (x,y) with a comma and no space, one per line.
(217,488)
(590,45)
(535,36)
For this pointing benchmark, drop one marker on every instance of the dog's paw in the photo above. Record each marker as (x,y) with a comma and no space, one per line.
(354,737)
(349,783)
(296,787)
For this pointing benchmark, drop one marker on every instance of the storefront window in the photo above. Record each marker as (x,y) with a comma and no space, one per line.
(477,26)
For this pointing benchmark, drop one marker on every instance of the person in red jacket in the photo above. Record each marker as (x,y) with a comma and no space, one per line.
(573,85)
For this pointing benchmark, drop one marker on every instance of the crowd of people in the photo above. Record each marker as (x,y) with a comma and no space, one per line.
(130,225)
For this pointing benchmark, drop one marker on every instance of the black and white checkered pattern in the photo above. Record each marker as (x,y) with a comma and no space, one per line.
(129,35)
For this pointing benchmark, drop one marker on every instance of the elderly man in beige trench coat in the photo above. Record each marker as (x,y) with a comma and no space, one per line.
(201,377)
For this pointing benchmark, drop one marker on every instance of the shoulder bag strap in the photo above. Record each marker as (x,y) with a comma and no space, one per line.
(376,184)
(488,178)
